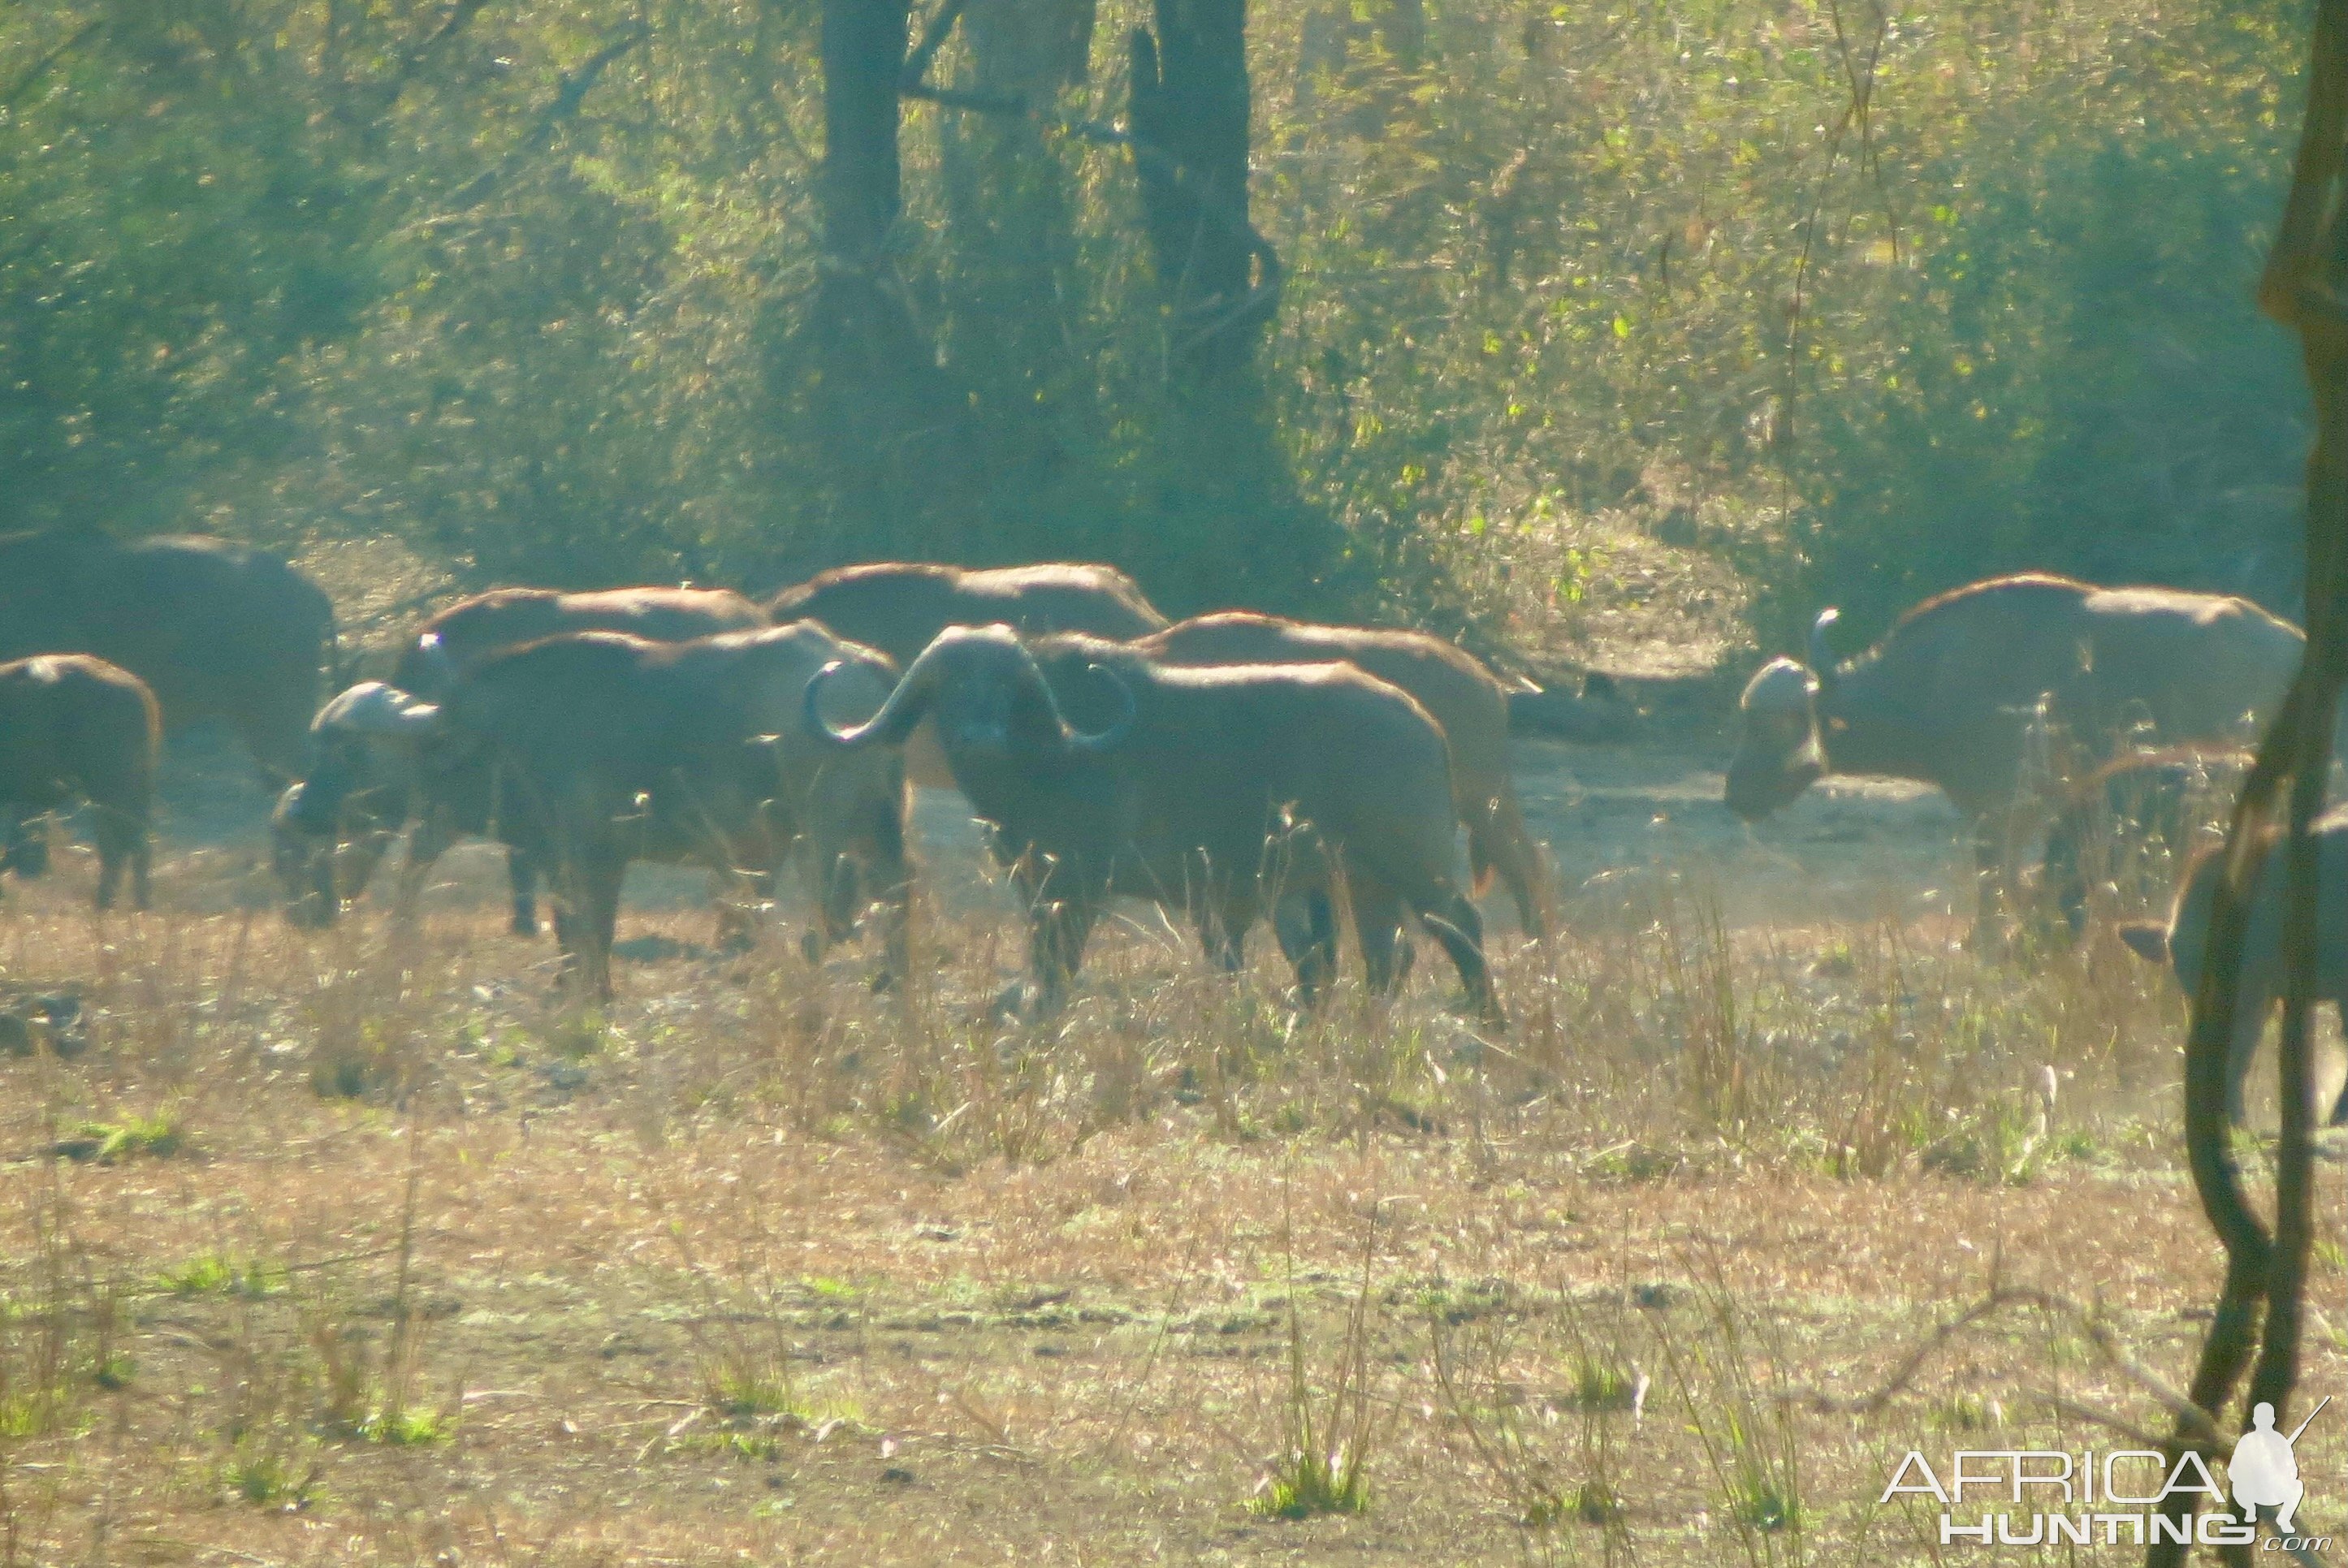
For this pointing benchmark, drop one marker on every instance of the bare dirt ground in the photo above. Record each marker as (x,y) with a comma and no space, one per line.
(361,1248)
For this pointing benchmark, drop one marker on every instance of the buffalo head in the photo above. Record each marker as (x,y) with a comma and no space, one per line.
(988,698)
(1777,751)
(358,774)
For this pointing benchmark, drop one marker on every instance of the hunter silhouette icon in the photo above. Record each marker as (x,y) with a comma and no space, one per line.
(2264,1470)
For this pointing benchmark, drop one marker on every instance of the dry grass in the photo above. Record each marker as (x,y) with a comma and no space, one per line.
(763,1267)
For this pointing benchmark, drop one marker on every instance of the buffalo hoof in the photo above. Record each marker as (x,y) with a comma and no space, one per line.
(883,982)
(811,947)
(524,925)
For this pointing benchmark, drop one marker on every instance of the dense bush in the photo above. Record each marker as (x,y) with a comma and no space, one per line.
(524,282)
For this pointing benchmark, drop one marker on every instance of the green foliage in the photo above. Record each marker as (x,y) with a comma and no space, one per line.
(222,1274)
(528,289)
(398,1427)
(158,1136)
(284,1476)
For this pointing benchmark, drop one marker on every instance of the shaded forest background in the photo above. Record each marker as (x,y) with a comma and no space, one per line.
(1863,302)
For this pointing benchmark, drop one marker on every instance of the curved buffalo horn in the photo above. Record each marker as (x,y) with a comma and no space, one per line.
(1822,655)
(1103,740)
(897,716)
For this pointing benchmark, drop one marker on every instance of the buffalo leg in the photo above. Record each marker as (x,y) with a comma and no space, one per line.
(27,848)
(2252,1008)
(895,892)
(1224,925)
(836,882)
(431,840)
(1057,948)
(521,871)
(1307,929)
(1378,924)
(347,868)
(321,902)
(121,843)
(1502,841)
(857,885)
(586,916)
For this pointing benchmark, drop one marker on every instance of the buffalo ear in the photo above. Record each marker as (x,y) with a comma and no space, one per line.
(2147,939)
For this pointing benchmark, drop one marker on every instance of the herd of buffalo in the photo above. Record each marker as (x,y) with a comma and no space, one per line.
(1232,767)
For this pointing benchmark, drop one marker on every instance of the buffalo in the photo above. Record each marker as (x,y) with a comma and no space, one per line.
(318,869)
(472,629)
(2182,941)
(1217,791)
(1952,694)
(358,790)
(900,606)
(216,632)
(76,727)
(1462,696)
(590,750)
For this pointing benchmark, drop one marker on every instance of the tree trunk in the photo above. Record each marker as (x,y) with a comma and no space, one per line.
(1190,112)
(1011,270)
(1030,48)
(894,430)
(2258,1318)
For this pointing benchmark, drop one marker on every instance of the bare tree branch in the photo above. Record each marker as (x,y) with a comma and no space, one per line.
(568,95)
(933,36)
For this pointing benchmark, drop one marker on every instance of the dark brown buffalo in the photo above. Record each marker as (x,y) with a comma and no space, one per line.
(598,748)
(1464,697)
(1952,693)
(1219,793)
(73,727)
(319,870)
(2182,942)
(471,629)
(900,606)
(217,631)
